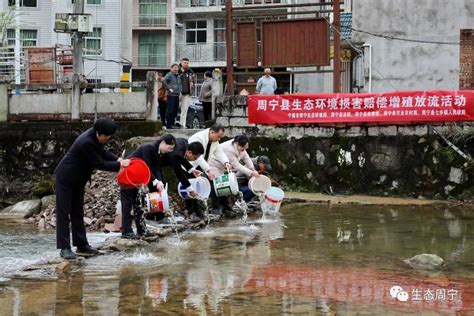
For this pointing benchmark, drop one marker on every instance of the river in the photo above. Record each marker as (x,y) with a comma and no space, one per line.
(314,259)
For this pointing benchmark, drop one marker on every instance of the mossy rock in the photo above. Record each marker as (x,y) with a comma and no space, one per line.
(45,186)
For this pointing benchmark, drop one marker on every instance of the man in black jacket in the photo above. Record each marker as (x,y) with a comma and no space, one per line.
(72,173)
(187,88)
(152,154)
(179,159)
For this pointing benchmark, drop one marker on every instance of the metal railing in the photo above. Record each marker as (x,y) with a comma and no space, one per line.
(202,52)
(151,60)
(152,20)
(213,3)
(199,3)
(7,64)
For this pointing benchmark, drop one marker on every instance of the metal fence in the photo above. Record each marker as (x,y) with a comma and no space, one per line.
(152,20)
(207,52)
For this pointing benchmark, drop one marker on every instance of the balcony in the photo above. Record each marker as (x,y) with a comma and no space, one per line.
(218,3)
(151,60)
(213,52)
(152,21)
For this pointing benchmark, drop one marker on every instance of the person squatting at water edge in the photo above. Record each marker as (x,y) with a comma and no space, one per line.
(261,164)
(235,150)
(209,138)
(179,159)
(86,154)
(152,154)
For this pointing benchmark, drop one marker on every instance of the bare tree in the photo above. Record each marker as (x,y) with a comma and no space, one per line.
(7,20)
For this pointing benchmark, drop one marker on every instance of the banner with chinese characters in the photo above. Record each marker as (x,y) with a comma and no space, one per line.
(398,106)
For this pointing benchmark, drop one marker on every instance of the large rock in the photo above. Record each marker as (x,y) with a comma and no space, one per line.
(47,201)
(24,208)
(425,261)
(121,244)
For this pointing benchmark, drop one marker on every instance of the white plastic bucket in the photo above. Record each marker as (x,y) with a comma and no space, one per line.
(272,201)
(157,202)
(259,185)
(226,184)
(200,185)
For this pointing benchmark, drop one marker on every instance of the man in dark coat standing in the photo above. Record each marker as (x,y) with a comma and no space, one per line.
(152,154)
(86,154)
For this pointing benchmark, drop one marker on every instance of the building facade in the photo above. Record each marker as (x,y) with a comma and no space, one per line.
(421,47)
(103,58)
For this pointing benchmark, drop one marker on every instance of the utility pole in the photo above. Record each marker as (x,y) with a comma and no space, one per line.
(77,65)
(229,47)
(337,47)
(17,44)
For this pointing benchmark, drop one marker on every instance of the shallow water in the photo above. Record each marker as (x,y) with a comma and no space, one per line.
(313,259)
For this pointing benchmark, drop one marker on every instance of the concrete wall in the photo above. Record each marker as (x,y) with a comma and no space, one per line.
(407,160)
(402,65)
(57,106)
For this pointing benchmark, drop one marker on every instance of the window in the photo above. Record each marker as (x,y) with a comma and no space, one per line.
(219,40)
(93,41)
(196,32)
(152,50)
(153,12)
(24,3)
(28,38)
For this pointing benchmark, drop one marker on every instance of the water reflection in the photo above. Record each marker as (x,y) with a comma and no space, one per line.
(315,259)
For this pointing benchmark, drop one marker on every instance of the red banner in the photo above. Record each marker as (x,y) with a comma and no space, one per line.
(399,106)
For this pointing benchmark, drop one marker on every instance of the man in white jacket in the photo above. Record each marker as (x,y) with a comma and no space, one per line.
(209,138)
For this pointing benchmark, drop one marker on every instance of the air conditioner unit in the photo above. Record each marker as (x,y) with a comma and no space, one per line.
(70,22)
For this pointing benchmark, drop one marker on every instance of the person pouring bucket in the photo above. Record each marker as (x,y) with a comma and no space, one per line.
(179,159)
(86,154)
(209,138)
(236,151)
(152,153)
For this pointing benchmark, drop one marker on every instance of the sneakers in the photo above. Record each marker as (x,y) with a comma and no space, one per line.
(87,251)
(67,254)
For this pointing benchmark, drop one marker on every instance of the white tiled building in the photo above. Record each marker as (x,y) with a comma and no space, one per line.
(104,45)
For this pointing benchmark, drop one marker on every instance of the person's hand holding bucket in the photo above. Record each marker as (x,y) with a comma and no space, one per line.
(197,173)
(124,162)
(159,185)
(210,175)
(255,174)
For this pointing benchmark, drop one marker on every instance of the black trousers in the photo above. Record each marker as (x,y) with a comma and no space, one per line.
(207,109)
(129,201)
(218,201)
(70,213)
(162,104)
(172,110)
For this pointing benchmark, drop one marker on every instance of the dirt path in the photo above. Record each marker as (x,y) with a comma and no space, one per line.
(358,199)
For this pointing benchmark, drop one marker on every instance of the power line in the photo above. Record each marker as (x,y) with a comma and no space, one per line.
(389,37)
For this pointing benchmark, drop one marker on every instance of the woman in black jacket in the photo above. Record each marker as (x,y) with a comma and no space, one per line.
(72,173)
(152,154)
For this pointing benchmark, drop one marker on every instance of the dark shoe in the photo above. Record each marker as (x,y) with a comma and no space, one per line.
(86,251)
(193,218)
(229,213)
(67,254)
(129,236)
(146,234)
